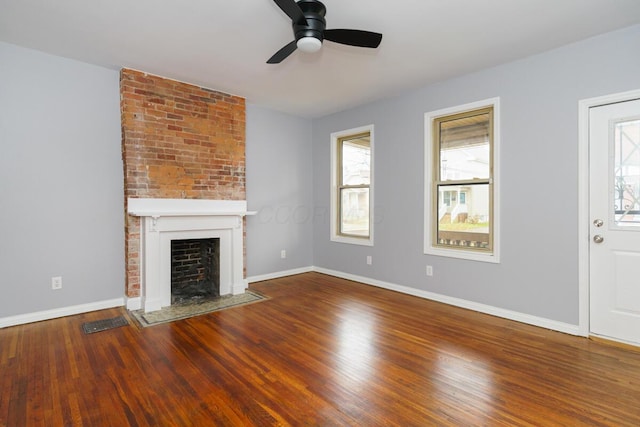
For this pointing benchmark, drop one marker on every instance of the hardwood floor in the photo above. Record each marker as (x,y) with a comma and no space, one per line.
(321,351)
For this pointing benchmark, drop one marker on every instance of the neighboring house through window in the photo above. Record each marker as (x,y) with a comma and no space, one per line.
(352,186)
(461,181)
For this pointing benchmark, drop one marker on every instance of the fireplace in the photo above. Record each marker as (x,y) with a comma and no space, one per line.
(167,220)
(195,270)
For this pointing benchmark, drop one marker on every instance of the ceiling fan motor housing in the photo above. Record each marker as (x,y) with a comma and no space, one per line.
(314,11)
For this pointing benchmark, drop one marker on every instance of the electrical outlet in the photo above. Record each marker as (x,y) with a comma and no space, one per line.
(429,270)
(56,282)
(369,260)
(283,254)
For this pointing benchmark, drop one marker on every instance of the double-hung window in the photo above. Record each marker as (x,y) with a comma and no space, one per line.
(461,169)
(352,189)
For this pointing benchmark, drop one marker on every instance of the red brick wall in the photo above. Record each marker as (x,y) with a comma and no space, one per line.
(178,141)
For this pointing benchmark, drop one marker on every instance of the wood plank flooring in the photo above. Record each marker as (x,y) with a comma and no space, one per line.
(321,351)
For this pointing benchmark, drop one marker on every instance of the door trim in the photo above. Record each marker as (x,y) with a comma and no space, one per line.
(584,106)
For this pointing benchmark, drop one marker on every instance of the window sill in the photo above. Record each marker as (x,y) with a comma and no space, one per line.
(352,240)
(462,254)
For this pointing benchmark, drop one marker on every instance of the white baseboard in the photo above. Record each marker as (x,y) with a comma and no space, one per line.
(59,312)
(482,308)
(279,274)
(134,303)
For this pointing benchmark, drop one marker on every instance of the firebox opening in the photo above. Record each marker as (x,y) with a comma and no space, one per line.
(195,270)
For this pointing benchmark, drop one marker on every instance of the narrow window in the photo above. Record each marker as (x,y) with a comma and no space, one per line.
(461,210)
(352,154)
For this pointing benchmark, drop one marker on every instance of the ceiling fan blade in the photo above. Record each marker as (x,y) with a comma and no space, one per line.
(283,53)
(291,8)
(354,37)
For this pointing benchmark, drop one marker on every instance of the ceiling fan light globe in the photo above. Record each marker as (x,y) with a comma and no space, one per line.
(309,44)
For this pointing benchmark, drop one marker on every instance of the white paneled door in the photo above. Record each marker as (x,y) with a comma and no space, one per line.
(614,199)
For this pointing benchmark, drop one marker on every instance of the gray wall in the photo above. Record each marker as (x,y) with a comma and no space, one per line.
(60,182)
(279,188)
(539,95)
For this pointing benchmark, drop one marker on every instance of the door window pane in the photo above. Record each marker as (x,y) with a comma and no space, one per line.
(626,192)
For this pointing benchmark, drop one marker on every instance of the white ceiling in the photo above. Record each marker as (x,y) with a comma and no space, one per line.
(223,45)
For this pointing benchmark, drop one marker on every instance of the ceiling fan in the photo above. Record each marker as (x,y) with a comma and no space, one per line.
(307,17)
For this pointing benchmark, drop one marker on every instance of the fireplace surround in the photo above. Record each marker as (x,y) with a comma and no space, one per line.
(179,141)
(164,220)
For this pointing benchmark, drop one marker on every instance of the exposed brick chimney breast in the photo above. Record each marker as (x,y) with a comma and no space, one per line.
(178,141)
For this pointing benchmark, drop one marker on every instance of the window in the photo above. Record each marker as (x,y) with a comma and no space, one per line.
(461,169)
(352,189)
(626,181)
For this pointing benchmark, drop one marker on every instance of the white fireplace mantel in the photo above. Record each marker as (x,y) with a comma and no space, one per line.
(189,207)
(164,220)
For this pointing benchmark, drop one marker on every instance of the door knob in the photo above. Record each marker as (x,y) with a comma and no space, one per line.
(598,222)
(598,238)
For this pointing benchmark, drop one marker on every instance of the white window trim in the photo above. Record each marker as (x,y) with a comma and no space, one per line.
(429,249)
(335,236)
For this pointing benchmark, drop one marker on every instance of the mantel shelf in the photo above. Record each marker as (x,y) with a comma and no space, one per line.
(157,208)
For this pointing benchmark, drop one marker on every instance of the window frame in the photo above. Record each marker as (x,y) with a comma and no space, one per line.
(431,177)
(336,171)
